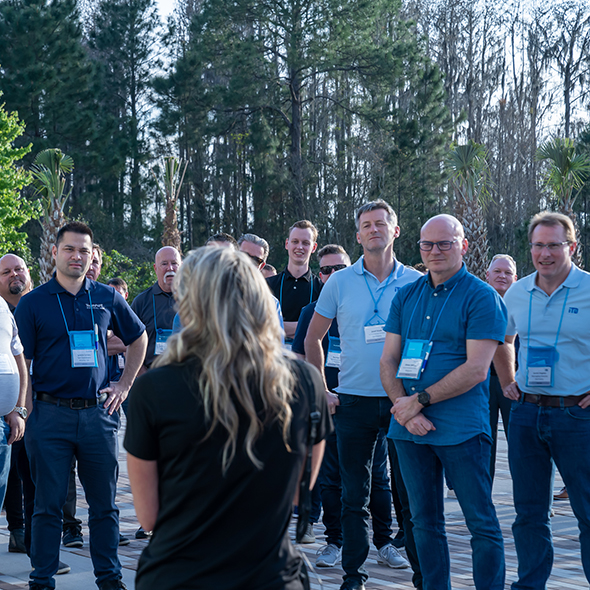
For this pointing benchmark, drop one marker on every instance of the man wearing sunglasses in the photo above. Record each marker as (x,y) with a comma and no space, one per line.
(550,421)
(359,298)
(442,333)
(255,247)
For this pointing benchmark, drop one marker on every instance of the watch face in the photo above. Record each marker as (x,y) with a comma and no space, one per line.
(424,398)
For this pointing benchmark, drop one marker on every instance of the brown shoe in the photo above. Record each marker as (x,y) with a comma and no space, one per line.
(561,495)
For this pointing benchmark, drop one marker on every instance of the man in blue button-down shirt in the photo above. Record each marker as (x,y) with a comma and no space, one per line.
(442,332)
(63,326)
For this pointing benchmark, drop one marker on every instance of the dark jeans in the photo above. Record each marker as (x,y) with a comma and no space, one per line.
(468,467)
(70,522)
(54,435)
(538,437)
(498,404)
(331,490)
(361,423)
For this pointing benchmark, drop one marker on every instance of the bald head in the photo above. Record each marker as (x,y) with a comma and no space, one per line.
(166,266)
(450,223)
(15,280)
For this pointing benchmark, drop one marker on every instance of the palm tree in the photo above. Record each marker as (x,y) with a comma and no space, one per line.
(468,171)
(565,177)
(49,172)
(172,183)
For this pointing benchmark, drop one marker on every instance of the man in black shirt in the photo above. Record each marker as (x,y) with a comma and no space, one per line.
(296,287)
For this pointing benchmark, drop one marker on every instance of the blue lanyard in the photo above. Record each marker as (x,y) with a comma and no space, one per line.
(94,326)
(154,302)
(439,313)
(376,301)
(281,292)
(528,340)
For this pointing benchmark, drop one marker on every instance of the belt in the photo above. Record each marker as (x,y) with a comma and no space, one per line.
(77,403)
(552,401)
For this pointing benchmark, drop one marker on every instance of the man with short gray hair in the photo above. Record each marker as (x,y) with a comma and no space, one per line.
(255,247)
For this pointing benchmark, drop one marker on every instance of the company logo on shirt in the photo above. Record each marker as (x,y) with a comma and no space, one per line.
(96,306)
(572,310)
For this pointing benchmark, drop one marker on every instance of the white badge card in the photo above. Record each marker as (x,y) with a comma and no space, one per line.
(334,353)
(83,349)
(374,334)
(161,340)
(6,367)
(540,364)
(414,359)
(121,361)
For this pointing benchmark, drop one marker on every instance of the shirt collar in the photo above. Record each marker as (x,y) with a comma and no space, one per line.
(55,287)
(450,283)
(306,276)
(572,280)
(359,268)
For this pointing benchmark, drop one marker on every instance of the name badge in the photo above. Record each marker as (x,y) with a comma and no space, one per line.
(540,363)
(374,334)
(161,340)
(414,359)
(334,352)
(6,367)
(83,349)
(121,361)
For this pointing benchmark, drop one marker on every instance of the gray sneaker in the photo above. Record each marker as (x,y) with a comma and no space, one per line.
(309,536)
(389,555)
(329,556)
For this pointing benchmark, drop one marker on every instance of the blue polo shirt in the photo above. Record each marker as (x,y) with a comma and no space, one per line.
(573,343)
(45,337)
(473,311)
(350,298)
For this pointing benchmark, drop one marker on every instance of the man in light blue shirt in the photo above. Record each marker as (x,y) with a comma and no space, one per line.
(550,312)
(359,298)
(442,332)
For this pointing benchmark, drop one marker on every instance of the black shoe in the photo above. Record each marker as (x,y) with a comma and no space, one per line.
(124,540)
(33,586)
(399,540)
(113,585)
(63,568)
(16,543)
(351,584)
(141,534)
(72,538)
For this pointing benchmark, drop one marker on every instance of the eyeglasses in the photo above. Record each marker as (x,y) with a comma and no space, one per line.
(442,246)
(552,247)
(257,260)
(326,270)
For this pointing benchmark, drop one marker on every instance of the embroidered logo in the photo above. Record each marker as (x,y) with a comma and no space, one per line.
(572,310)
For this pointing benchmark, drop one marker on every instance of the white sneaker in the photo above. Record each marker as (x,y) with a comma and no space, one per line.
(309,536)
(389,555)
(329,556)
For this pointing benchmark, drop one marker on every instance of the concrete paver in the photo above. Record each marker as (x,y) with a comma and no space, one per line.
(567,570)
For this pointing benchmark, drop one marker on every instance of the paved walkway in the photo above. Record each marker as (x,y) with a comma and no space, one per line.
(567,570)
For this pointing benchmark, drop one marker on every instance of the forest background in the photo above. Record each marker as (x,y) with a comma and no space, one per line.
(291,109)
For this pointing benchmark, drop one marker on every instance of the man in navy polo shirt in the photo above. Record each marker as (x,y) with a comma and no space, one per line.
(442,332)
(359,297)
(550,421)
(63,326)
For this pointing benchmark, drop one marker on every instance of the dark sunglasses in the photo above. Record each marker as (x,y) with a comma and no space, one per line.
(257,260)
(326,270)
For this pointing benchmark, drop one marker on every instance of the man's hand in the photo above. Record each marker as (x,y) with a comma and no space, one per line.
(17,426)
(333,401)
(585,402)
(405,408)
(419,425)
(511,391)
(117,394)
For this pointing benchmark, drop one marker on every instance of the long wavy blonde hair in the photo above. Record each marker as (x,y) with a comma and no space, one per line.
(230,324)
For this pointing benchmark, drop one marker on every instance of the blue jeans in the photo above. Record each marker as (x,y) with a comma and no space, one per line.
(54,435)
(537,438)
(5,450)
(361,424)
(499,404)
(468,467)
(331,489)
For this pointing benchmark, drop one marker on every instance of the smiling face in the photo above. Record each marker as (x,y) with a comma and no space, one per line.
(376,232)
(442,265)
(73,255)
(501,275)
(300,246)
(552,266)
(166,267)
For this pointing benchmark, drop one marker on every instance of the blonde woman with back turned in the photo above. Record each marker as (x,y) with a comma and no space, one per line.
(217,435)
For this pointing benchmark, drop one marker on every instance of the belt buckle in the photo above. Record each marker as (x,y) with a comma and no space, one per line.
(77,404)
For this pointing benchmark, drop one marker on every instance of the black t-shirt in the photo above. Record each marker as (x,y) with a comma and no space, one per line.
(294,294)
(216,531)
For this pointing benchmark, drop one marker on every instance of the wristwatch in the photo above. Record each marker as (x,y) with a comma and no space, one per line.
(424,398)
(21,411)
